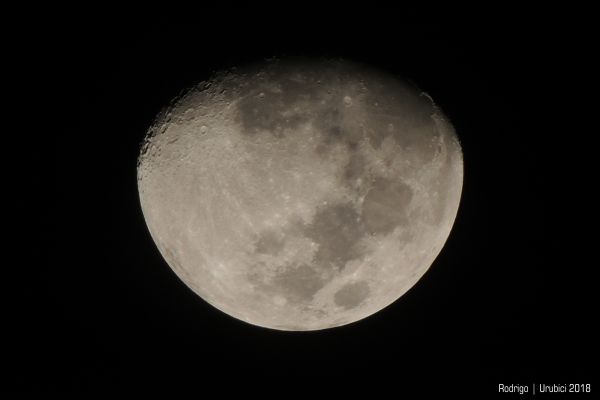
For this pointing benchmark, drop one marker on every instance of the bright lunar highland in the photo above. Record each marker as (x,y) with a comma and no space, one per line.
(301,195)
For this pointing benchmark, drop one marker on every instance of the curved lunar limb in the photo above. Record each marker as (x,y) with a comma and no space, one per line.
(301,195)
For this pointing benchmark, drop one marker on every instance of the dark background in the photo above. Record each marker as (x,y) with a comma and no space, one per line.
(110,313)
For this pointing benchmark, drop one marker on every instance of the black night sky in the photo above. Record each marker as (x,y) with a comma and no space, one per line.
(111,314)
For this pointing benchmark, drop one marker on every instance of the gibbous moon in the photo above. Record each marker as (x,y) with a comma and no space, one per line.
(301,195)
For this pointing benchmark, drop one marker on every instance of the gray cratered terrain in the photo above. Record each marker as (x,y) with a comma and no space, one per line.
(301,195)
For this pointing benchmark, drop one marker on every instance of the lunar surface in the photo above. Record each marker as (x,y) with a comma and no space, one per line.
(301,195)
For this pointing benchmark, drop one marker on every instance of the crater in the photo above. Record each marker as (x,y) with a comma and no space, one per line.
(385,205)
(337,229)
(416,128)
(352,295)
(274,111)
(403,114)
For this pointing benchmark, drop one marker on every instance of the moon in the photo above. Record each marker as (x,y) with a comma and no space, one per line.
(301,194)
